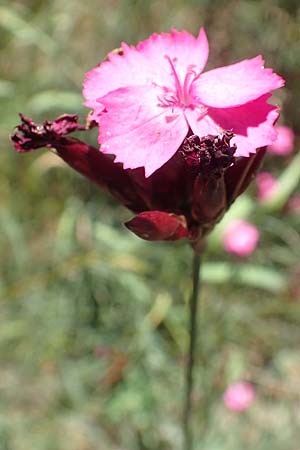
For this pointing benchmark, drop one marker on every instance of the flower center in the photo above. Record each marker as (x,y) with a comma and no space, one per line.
(181,97)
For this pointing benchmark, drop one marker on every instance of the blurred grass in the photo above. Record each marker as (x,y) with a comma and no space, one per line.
(92,324)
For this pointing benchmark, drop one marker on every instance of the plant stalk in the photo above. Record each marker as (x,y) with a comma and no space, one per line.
(189,381)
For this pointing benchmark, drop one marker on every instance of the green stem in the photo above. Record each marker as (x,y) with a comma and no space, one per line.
(193,307)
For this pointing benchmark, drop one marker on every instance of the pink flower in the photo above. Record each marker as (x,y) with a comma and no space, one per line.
(239,396)
(184,143)
(240,238)
(147,99)
(266,185)
(284,143)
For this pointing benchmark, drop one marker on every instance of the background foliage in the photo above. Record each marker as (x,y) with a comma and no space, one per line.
(93,320)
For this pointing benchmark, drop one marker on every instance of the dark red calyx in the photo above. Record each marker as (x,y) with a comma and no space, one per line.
(209,154)
(30,135)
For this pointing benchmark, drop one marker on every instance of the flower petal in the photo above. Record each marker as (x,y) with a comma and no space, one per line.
(252,124)
(181,47)
(201,125)
(236,84)
(124,68)
(138,131)
(146,64)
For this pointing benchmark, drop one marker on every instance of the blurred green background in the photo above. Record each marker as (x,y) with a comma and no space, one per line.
(92,319)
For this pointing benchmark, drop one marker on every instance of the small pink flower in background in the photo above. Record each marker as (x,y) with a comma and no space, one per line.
(284,143)
(147,99)
(240,238)
(239,396)
(266,185)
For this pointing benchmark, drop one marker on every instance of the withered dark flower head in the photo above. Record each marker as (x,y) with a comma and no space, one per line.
(29,135)
(210,154)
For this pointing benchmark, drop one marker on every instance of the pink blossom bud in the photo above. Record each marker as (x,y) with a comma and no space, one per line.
(284,143)
(239,396)
(240,238)
(266,185)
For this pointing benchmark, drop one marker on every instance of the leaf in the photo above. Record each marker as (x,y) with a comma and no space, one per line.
(25,31)
(7,88)
(247,274)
